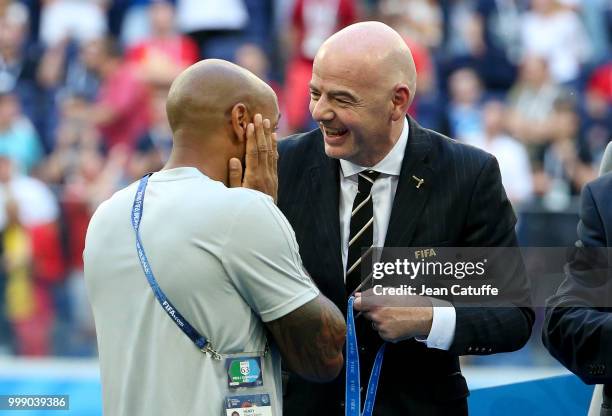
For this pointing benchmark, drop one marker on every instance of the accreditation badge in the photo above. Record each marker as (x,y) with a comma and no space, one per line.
(248,405)
(244,372)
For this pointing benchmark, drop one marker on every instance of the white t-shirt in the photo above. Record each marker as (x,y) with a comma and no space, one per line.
(226,258)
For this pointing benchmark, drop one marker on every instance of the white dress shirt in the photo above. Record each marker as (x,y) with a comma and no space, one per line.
(383,191)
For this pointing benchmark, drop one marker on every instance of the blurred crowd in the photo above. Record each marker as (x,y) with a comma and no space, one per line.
(82,110)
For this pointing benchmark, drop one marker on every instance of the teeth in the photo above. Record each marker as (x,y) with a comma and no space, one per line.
(331,132)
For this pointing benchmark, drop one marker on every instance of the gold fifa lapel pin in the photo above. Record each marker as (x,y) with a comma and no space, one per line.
(419,181)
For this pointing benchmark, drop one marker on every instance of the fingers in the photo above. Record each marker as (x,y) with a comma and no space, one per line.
(371,316)
(357,305)
(260,134)
(270,148)
(268,134)
(361,306)
(235,173)
(252,154)
(260,162)
(274,153)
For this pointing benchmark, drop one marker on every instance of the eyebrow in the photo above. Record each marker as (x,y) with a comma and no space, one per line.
(337,93)
(340,93)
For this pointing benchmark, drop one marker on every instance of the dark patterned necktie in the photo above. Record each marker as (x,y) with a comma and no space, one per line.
(361,236)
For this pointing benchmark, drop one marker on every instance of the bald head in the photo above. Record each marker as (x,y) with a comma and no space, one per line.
(202,97)
(373,50)
(363,81)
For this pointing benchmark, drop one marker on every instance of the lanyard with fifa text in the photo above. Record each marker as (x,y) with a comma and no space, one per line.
(353,382)
(137,208)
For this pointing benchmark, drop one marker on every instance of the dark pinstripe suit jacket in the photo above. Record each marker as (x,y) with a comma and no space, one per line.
(461,203)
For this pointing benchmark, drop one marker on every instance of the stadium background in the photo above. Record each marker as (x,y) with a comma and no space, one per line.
(82,93)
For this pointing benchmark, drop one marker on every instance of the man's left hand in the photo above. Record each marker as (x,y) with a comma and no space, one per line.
(393,322)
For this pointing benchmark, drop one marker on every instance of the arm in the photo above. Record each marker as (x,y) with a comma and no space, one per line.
(490,223)
(575,331)
(311,339)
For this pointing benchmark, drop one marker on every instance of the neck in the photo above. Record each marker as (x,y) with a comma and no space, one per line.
(206,161)
(387,146)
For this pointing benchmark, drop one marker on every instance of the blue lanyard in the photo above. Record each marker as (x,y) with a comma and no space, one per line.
(137,208)
(353,382)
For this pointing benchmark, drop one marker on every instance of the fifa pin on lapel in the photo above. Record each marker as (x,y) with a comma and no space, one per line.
(419,181)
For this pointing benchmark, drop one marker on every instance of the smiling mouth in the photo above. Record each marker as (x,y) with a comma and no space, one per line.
(333,133)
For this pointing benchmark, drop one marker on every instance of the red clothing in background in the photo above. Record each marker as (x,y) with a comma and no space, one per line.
(314,21)
(128,97)
(47,255)
(601,82)
(78,214)
(181,50)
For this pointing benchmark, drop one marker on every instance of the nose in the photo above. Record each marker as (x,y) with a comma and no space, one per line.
(321,110)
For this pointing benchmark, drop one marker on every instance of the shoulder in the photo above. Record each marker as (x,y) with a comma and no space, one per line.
(595,197)
(449,154)
(299,143)
(119,202)
(255,214)
(600,188)
(595,218)
(244,197)
(297,154)
(250,204)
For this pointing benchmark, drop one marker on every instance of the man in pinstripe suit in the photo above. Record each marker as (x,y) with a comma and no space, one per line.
(372,176)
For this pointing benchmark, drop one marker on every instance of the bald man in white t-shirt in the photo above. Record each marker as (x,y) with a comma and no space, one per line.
(224,256)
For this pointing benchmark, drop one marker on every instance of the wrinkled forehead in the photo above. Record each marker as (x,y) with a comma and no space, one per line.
(344,70)
(356,68)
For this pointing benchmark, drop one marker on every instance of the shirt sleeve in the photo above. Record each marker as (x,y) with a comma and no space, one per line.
(442,326)
(262,259)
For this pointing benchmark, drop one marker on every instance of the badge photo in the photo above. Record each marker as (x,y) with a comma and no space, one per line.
(248,405)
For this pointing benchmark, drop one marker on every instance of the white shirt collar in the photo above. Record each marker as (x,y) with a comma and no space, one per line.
(391,163)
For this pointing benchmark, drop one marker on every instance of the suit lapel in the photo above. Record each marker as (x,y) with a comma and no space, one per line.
(409,200)
(324,194)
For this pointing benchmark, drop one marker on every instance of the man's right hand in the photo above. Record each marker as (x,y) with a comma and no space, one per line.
(261,159)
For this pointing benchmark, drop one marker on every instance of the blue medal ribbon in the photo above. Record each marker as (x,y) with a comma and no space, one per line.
(173,313)
(353,382)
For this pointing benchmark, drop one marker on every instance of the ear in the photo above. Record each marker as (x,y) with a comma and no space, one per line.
(402,97)
(240,120)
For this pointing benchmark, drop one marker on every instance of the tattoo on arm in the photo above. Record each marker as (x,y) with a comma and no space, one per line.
(311,339)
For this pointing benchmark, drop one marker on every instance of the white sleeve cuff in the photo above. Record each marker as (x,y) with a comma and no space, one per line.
(442,325)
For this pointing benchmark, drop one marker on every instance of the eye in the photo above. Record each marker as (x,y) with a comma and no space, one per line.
(314,95)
